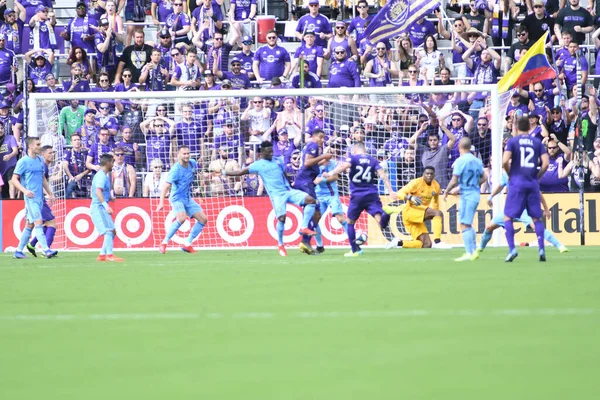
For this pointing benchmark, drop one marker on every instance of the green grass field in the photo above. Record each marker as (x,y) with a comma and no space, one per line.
(252,325)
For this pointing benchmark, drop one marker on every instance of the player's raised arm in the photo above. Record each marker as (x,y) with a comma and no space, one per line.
(342,167)
(240,172)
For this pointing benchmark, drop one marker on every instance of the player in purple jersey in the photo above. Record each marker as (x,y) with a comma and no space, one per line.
(312,155)
(364,194)
(525,160)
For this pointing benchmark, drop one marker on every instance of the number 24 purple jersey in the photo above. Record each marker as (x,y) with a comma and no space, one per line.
(363,174)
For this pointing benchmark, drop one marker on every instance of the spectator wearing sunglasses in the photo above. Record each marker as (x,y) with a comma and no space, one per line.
(106,48)
(542,99)
(342,39)
(316,22)
(539,22)
(555,179)
(271,61)
(514,53)
(106,120)
(238,79)
(246,56)
(125,86)
(122,176)
(358,24)
(343,72)
(103,86)
(179,25)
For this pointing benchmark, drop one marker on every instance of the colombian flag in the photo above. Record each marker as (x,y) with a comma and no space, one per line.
(532,67)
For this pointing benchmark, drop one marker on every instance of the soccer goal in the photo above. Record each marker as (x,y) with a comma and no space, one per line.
(224,128)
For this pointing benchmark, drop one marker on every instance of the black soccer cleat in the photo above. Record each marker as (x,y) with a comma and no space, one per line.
(31,249)
(320,249)
(511,256)
(542,256)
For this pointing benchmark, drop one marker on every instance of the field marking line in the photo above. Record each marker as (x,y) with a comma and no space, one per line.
(461,313)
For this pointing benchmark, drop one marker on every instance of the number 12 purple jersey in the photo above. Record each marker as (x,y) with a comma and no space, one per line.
(526,155)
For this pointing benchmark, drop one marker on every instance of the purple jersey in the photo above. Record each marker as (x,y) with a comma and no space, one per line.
(128,151)
(164,8)
(343,74)
(550,182)
(108,59)
(310,55)
(417,32)
(78,31)
(242,9)
(177,22)
(76,160)
(318,24)
(526,154)
(239,81)
(157,146)
(363,174)
(569,67)
(246,60)
(358,25)
(308,174)
(271,61)
(6,61)
(38,74)
(98,149)
(234,142)
(7,145)
(189,134)
(13,33)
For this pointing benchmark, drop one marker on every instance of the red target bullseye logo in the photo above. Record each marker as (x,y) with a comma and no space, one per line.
(183,229)
(19,223)
(79,228)
(235,224)
(133,225)
(331,228)
(293,221)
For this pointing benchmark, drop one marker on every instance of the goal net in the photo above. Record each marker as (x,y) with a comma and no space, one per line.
(406,128)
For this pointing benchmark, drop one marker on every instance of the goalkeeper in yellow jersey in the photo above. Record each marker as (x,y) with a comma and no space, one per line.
(422,203)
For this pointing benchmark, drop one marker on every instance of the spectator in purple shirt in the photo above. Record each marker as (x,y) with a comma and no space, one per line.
(207,19)
(314,21)
(39,66)
(8,159)
(358,24)
(241,12)
(76,83)
(271,61)
(418,31)
(568,68)
(178,24)
(42,28)
(343,72)
(311,53)
(78,30)
(12,28)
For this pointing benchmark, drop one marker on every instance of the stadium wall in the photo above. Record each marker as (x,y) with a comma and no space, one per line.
(251,223)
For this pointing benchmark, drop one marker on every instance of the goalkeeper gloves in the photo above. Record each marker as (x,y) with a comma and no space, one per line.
(414,199)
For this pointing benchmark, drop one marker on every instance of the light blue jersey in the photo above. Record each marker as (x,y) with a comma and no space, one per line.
(324,188)
(272,175)
(469,170)
(181,179)
(31,175)
(102,181)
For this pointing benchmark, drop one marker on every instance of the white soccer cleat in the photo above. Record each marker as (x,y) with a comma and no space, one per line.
(393,243)
(441,245)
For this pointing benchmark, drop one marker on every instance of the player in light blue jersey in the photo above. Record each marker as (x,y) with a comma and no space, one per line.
(498,220)
(328,197)
(180,181)
(29,178)
(468,174)
(100,211)
(280,192)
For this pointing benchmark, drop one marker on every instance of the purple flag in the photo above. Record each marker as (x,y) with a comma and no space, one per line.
(397,17)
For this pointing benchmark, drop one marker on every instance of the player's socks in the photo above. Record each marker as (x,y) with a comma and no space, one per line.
(172,231)
(385,221)
(280,231)
(436,227)
(25,236)
(34,241)
(510,234)
(109,238)
(345,226)
(196,229)
(352,238)
(539,232)
(38,231)
(412,244)
(318,236)
(466,234)
(50,232)
(309,211)
(473,239)
(485,239)
(550,238)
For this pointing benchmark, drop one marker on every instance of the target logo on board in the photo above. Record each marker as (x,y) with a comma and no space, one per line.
(19,223)
(331,229)
(79,228)
(235,224)
(184,228)
(293,222)
(133,225)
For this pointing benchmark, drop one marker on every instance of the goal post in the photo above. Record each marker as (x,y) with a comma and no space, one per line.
(350,114)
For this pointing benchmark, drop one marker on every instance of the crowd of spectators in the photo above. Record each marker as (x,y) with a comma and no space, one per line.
(210,45)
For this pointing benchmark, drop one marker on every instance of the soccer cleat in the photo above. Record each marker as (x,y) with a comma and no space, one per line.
(353,254)
(475,255)
(49,253)
(19,255)
(320,249)
(393,243)
(306,231)
(511,256)
(391,209)
(31,249)
(563,249)
(464,257)
(101,257)
(542,256)
(282,251)
(307,249)
(440,245)
(162,248)
(110,257)
(188,249)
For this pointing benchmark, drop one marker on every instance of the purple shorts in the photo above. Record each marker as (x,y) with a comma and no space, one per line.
(306,187)
(520,199)
(370,202)
(47,213)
